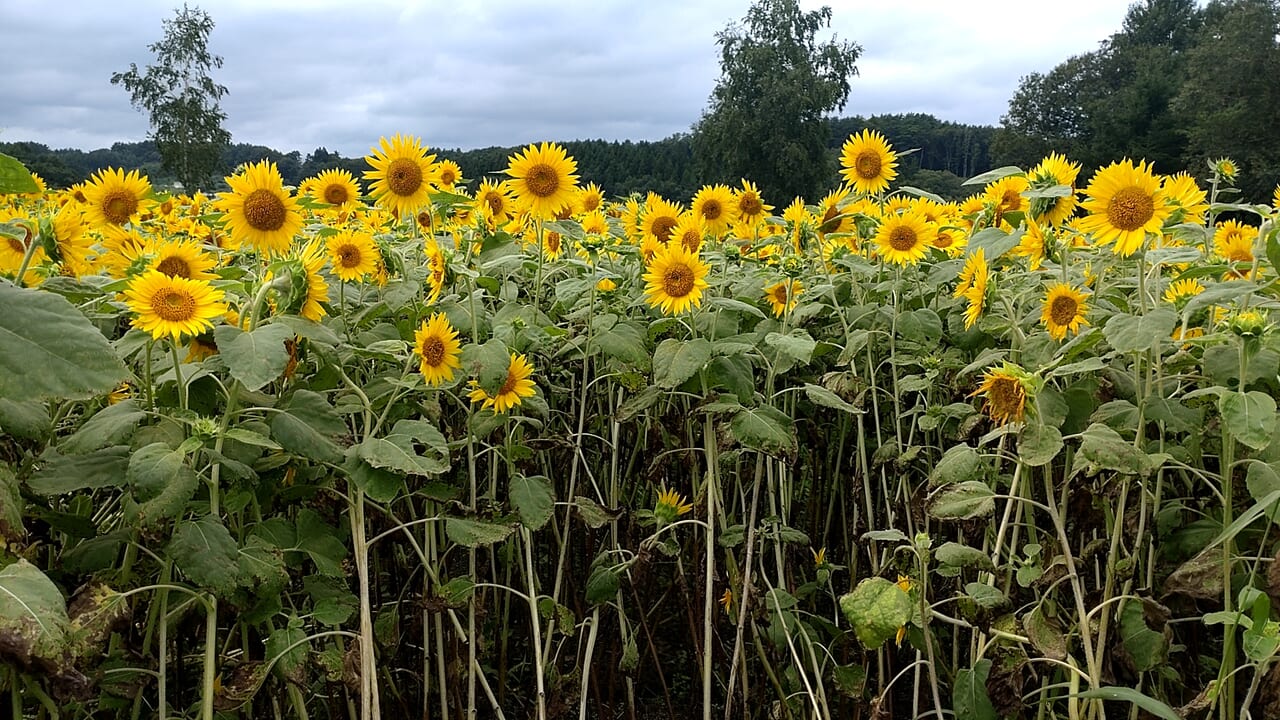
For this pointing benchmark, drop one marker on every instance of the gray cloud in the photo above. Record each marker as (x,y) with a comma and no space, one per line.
(472,73)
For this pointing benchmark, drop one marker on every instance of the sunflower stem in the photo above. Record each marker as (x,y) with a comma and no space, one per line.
(177,374)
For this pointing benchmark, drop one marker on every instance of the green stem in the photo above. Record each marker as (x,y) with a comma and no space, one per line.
(177,374)
(210,658)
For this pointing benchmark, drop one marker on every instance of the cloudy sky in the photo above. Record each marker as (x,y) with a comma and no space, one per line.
(474,73)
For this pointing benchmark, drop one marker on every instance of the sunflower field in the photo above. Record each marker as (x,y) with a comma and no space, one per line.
(406,449)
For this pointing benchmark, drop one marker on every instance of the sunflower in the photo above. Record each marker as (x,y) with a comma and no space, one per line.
(1179,291)
(675,280)
(1233,241)
(714,204)
(867,162)
(353,254)
(1005,390)
(1032,244)
(1125,203)
(594,223)
(902,239)
(516,387)
(181,258)
(1053,171)
(543,179)
(748,207)
(173,306)
(112,197)
(15,239)
(1225,168)
(835,219)
(689,232)
(200,347)
(336,187)
(1182,192)
(606,285)
(951,240)
(402,174)
(436,266)
(670,506)
(312,258)
(1005,195)
(552,244)
(974,278)
(783,295)
(494,202)
(1064,309)
(259,210)
(74,246)
(590,199)
(660,219)
(1275,198)
(448,174)
(436,343)
(124,251)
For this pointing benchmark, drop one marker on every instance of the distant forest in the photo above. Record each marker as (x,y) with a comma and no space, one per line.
(945,154)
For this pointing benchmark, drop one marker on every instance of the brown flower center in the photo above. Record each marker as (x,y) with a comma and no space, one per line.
(447,176)
(677,281)
(264,210)
(404,177)
(16,245)
(118,206)
(348,256)
(509,385)
(712,210)
(1130,208)
(1005,397)
(944,240)
(590,201)
(174,266)
(662,228)
(867,164)
(336,194)
(1063,310)
(173,305)
(1010,200)
(902,238)
(433,351)
(495,202)
(553,242)
(691,240)
(780,294)
(749,204)
(542,180)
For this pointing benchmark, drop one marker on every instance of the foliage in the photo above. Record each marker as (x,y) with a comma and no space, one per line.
(181,97)
(765,117)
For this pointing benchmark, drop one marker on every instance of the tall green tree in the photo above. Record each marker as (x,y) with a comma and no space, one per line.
(765,121)
(182,98)
(1231,96)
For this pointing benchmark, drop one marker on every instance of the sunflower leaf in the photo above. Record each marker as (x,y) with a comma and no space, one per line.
(14,177)
(876,609)
(675,361)
(51,350)
(254,358)
(533,498)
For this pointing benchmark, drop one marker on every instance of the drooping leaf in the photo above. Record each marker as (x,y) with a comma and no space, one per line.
(1148,648)
(399,449)
(308,427)
(602,584)
(962,501)
(29,419)
(57,474)
(765,428)
(1146,702)
(1132,333)
(51,350)
(876,609)
(33,615)
(254,358)
(1251,417)
(207,554)
(1038,444)
(161,482)
(963,556)
(970,699)
(473,533)
(11,505)
(959,463)
(533,497)
(112,425)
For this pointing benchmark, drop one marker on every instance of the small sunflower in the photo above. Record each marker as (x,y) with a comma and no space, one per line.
(112,197)
(312,258)
(594,223)
(1225,168)
(402,174)
(675,280)
(951,240)
(448,175)
(1005,390)
(181,258)
(436,267)
(714,204)
(1052,171)
(173,306)
(1275,198)
(543,179)
(1233,241)
(670,506)
(748,207)
(1005,195)
(783,295)
(835,219)
(903,239)
(259,210)
(867,162)
(1064,309)
(1182,192)
(590,199)
(689,232)
(353,254)
(436,343)
(336,187)
(974,278)
(514,389)
(1179,291)
(1125,203)
(494,202)
(1032,245)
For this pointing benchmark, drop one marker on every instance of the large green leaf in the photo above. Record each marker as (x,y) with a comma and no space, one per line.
(14,177)
(254,358)
(1130,333)
(308,427)
(487,363)
(765,428)
(675,361)
(207,554)
(398,450)
(57,474)
(971,701)
(962,501)
(876,609)
(533,497)
(11,505)
(1038,444)
(33,615)
(28,420)
(959,464)
(1251,417)
(1102,448)
(1146,702)
(797,344)
(112,425)
(162,483)
(1148,648)
(473,533)
(50,350)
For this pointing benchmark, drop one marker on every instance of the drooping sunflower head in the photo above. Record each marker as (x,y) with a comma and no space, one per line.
(1064,309)
(259,211)
(972,285)
(1233,241)
(173,306)
(543,179)
(1125,203)
(436,345)
(402,174)
(1032,244)
(903,239)
(670,506)
(783,295)
(714,204)
(353,255)
(181,258)
(1183,193)
(748,207)
(112,197)
(514,389)
(660,219)
(675,279)
(1055,170)
(1005,391)
(309,288)
(867,162)
(336,187)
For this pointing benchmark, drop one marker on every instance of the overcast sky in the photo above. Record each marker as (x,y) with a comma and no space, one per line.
(474,73)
